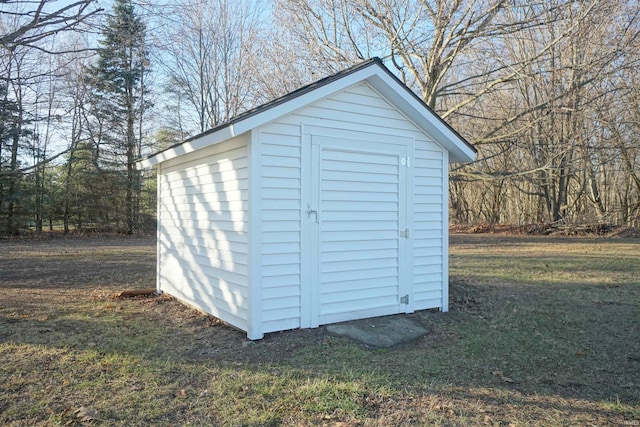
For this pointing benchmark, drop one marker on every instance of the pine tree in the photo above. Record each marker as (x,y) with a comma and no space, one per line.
(119,98)
(10,176)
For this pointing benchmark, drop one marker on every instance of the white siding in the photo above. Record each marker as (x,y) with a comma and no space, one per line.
(358,113)
(280,192)
(202,211)
(236,236)
(359,255)
(429,225)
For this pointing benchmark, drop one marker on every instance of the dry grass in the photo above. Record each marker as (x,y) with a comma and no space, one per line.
(542,331)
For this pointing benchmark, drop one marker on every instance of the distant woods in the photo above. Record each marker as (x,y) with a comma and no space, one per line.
(73,117)
(549,93)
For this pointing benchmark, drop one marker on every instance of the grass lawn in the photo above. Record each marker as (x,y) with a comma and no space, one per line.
(542,331)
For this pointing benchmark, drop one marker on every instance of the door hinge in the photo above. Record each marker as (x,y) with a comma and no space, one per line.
(404,299)
(405,161)
(405,233)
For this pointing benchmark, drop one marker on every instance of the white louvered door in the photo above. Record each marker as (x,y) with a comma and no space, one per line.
(356,219)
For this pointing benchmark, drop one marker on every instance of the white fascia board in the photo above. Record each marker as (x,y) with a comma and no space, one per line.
(303,100)
(459,151)
(261,118)
(223,134)
(375,75)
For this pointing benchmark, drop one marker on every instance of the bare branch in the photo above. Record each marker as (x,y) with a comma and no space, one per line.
(35,25)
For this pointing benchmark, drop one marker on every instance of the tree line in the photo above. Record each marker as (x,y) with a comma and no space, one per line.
(547,91)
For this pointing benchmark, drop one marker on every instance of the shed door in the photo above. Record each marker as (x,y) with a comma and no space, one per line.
(356,219)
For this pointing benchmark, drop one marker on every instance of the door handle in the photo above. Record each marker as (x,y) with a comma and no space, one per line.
(310,211)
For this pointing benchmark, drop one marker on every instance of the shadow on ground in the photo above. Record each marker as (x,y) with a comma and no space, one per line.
(574,351)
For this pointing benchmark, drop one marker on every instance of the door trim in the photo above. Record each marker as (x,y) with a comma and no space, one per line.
(313,138)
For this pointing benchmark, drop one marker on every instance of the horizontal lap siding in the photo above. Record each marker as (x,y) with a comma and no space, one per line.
(363,110)
(280,193)
(428,225)
(369,279)
(357,109)
(203,230)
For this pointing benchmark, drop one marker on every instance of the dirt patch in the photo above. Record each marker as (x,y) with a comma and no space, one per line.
(464,296)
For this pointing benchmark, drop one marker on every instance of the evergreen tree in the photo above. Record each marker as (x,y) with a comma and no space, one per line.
(8,110)
(118,87)
(10,175)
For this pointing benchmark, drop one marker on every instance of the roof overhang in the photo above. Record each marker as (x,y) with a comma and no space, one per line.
(373,72)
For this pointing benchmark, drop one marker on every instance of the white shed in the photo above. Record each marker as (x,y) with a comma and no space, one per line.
(328,204)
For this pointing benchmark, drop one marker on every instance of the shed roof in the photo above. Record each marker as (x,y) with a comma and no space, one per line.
(373,71)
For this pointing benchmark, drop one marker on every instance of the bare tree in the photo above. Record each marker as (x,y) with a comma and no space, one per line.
(26,23)
(526,82)
(425,40)
(550,132)
(26,31)
(14,97)
(208,63)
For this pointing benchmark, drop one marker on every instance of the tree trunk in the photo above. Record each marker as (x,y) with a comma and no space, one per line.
(13,178)
(131,149)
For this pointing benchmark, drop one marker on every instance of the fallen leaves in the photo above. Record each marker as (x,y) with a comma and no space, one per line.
(445,408)
(214,321)
(132,293)
(86,414)
(329,420)
(502,377)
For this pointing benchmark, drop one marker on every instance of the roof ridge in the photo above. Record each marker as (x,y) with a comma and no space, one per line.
(311,87)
